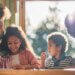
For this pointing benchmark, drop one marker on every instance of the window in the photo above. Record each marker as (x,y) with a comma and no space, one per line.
(44,17)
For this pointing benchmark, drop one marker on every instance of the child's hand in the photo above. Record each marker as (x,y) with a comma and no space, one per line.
(43,56)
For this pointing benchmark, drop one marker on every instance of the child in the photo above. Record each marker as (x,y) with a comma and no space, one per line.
(57,46)
(17,55)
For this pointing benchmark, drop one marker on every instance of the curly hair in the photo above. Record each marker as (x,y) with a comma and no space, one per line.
(14,31)
(59,39)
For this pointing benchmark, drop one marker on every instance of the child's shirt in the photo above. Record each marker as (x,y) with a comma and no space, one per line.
(65,62)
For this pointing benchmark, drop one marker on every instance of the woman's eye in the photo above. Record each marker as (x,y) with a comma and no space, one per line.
(9,43)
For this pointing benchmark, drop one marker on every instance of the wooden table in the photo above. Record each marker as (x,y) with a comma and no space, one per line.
(38,72)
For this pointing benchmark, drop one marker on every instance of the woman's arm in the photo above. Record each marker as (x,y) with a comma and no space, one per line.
(28,66)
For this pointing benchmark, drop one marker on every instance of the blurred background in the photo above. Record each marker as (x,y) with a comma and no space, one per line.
(44,17)
(38,18)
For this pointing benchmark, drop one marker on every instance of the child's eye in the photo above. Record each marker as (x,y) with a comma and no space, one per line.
(15,42)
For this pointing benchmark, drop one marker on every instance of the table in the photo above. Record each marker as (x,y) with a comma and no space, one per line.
(38,72)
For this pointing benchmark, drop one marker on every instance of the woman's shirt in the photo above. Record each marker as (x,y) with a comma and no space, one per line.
(23,58)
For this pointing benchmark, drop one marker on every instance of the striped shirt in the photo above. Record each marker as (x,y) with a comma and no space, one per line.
(63,63)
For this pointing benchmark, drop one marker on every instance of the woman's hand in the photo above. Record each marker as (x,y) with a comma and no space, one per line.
(28,66)
(18,66)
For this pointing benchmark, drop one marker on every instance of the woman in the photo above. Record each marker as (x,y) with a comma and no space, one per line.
(17,55)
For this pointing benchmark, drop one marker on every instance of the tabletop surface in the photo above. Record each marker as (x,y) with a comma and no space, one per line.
(38,72)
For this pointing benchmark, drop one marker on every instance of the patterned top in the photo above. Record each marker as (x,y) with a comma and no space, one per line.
(62,63)
(24,58)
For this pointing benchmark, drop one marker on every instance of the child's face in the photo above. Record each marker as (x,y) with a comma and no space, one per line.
(13,44)
(53,49)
